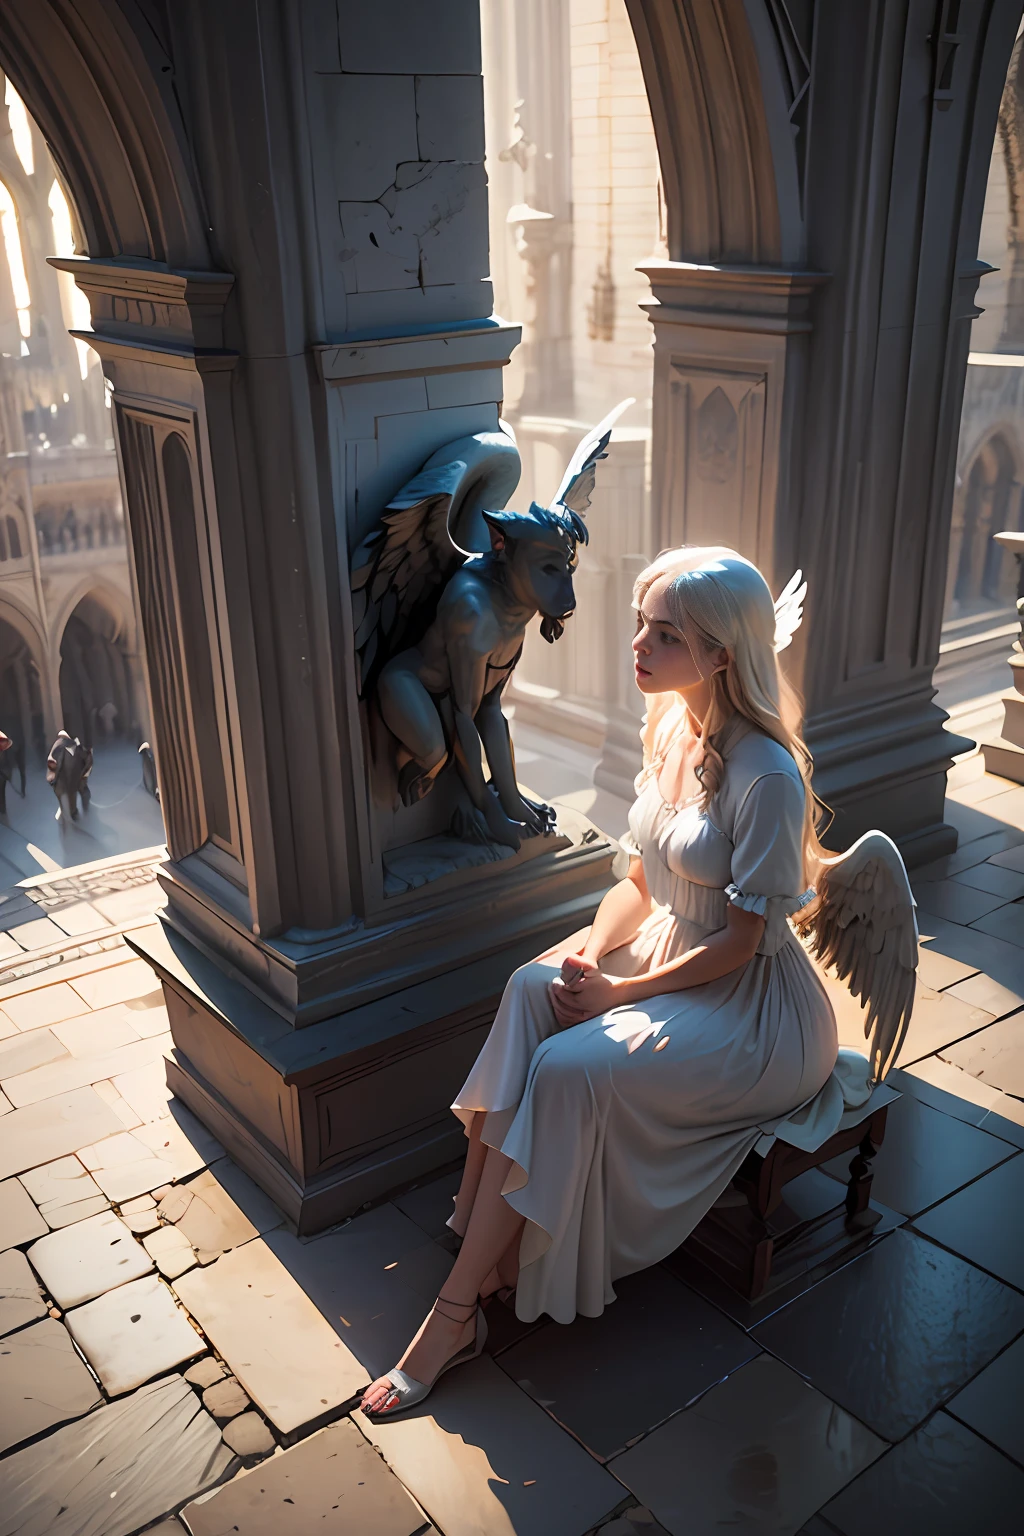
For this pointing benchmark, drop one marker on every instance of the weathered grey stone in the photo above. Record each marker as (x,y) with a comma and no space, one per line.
(21,1300)
(19,1219)
(333,1481)
(117,1470)
(42,1383)
(225,1400)
(133,1333)
(91,1257)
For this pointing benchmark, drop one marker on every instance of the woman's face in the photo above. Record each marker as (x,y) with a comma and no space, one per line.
(663,661)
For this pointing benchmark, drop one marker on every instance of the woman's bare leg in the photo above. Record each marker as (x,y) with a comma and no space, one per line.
(475,1155)
(493,1228)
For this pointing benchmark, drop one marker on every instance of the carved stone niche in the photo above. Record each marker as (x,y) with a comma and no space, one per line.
(324,1056)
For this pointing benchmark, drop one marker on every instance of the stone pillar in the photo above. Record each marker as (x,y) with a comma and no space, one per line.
(824,176)
(282,361)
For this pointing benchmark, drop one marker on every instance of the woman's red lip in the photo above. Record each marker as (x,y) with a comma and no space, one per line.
(642,670)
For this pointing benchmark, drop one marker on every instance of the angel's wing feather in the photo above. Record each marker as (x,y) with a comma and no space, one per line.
(577,485)
(863,926)
(400,569)
(789,610)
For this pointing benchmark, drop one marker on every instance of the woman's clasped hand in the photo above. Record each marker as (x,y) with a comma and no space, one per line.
(582,991)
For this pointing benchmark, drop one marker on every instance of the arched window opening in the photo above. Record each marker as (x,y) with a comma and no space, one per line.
(11,234)
(13,538)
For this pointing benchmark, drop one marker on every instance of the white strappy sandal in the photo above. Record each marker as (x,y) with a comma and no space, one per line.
(407,1389)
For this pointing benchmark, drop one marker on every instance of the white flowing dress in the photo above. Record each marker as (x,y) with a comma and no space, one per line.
(617,1153)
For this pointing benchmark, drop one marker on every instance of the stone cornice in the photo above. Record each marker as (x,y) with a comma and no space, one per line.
(453,349)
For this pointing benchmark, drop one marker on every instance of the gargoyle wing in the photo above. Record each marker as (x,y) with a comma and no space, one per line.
(864,926)
(400,569)
(577,485)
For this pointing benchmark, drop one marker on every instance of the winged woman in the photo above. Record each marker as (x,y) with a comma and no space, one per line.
(440,628)
(630,1070)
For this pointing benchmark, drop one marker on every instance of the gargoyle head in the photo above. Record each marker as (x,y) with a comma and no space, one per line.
(538,550)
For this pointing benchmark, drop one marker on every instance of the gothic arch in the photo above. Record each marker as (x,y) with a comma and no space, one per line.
(987,500)
(117,604)
(97,77)
(727,85)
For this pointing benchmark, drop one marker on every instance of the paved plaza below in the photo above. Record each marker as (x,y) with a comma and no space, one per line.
(173,1357)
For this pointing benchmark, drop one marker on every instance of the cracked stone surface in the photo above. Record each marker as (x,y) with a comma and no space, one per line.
(153,1450)
(21,1300)
(205,1372)
(134,1333)
(42,1132)
(248,1435)
(137,1162)
(20,1222)
(170,1250)
(225,1399)
(64,1192)
(42,1383)
(91,1257)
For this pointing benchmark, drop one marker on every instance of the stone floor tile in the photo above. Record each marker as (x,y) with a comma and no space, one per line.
(759,1452)
(93,1256)
(21,1300)
(119,1469)
(999,959)
(225,1399)
(925,1156)
(42,1382)
(224,1209)
(72,1072)
(20,1221)
(970,852)
(1007,806)
(332,1482)
(166,1528)
(248,1435)
(290,1361)
(205,1372)
(479,1455)
(122,1109)
(894,1334)
(9,950)
(938,1019)
(119,983)
(49,1130)
(430,1205)
(135,1162)
(982,991)
(1007,883)
(942,1481)
(145,1088)
(374,1281)
(94,1034)
(611,1378)
(5,1104)
(983,1222)
(44,1005)
(139,1203)
(637,1520)
(35,1048)
(137,901)
(995,1056)
(954,1091)
(955,902)
(141,1222)
(36,934)
(993,1403)
(1006,922)
(939,971)
(133,1333)
(7,1026)
(170,1250)
(973,825)
(81,917)
(1009,858)
(64,1191)
(150,1019)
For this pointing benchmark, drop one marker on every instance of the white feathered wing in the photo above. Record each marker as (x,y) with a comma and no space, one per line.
(863,925)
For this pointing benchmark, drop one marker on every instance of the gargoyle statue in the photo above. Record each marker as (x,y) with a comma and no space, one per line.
(439,626)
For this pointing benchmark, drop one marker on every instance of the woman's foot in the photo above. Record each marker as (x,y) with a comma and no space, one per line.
(442,1334)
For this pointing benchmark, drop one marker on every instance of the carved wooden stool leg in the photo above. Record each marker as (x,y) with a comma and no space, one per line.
(858,1190)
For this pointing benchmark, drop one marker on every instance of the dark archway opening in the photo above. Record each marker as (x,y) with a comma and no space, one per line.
(97,693)
(21,704)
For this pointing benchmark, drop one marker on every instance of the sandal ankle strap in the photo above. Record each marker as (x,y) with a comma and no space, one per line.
(449,1303)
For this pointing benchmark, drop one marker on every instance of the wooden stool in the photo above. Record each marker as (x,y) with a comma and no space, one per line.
(747,1245)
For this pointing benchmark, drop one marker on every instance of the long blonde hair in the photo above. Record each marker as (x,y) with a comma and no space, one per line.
(664,711)
(729,604)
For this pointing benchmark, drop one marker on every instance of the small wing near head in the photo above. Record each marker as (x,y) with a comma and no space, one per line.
(577,485)
(789,610)
(400,570)
(863,925)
